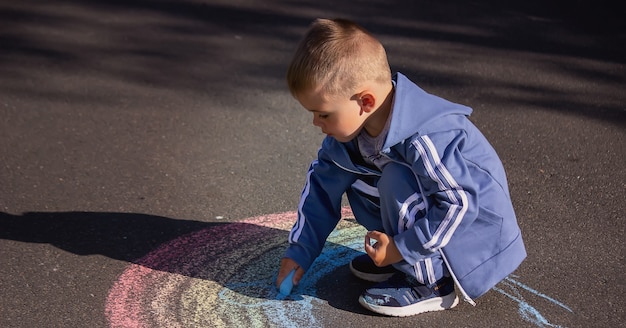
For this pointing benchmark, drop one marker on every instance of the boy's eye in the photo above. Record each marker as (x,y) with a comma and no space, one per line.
(322,115)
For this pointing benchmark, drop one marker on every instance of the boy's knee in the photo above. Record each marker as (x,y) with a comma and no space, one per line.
(395,175)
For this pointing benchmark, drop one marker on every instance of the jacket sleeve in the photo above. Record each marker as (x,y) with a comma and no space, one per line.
(319,209)
(446,183)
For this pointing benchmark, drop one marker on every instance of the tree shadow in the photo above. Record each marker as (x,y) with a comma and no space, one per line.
(207,47)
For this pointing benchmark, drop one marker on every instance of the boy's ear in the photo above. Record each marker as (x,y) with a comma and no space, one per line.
(367,101)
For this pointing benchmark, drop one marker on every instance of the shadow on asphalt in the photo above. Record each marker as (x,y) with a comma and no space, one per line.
(218,252)
(121,236)
(196,46)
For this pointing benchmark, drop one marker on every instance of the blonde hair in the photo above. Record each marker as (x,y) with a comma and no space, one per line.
(335,56)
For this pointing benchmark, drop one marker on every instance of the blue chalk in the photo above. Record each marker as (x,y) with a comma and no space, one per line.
(287,284)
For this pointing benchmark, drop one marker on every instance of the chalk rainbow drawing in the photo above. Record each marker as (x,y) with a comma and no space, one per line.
(223,276)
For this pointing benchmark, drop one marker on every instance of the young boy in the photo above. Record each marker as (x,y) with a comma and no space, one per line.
(417,173)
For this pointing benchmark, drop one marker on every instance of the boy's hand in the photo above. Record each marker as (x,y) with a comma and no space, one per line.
(384,251)
(286,266)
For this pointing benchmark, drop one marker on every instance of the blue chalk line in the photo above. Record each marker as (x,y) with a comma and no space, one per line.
(527,311)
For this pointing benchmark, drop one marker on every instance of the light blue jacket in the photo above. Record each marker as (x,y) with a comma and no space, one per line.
(469,217)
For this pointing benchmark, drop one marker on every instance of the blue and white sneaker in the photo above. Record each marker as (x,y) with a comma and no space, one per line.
(363,267)
(402,296)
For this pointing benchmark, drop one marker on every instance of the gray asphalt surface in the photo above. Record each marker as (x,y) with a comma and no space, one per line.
(127,124)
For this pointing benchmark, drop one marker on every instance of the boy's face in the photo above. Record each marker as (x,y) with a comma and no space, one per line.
(338,116)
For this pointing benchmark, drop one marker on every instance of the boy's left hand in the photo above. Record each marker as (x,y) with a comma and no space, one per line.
(384,251)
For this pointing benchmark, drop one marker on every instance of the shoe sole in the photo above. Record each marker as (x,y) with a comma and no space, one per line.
(380,277)
(434,304)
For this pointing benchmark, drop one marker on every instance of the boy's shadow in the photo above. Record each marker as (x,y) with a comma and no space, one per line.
(120,236)
(134,238)
(343,292)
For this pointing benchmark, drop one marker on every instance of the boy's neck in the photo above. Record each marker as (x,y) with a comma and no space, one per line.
(377,120)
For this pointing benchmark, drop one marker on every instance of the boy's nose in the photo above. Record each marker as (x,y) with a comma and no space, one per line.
(316,121)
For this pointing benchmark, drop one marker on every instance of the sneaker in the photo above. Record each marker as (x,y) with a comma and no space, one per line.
(403,296)
(363,267)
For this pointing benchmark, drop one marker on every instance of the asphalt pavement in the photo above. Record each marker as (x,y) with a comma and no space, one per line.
(152,158)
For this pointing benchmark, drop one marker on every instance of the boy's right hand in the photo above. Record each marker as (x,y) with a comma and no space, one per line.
(286,266)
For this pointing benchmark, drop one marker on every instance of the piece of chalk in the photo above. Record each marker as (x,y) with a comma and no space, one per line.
(287,284)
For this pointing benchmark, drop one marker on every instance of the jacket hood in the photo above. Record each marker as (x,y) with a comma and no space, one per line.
(417,112)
